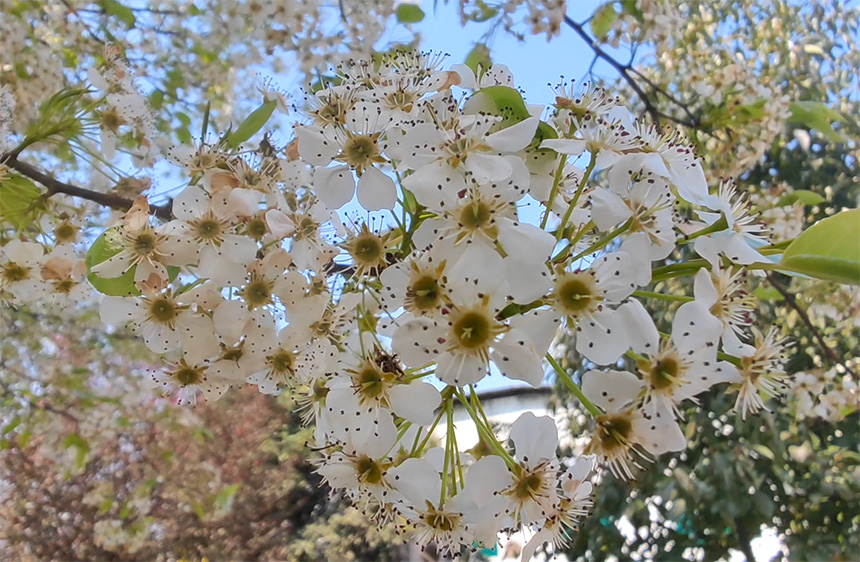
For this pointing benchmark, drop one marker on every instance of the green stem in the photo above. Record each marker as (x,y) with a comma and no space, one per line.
(652,295)
(585,177)
(449,410)
(603,241)
(554,191)
(568,382)
(718,226)
(485,433)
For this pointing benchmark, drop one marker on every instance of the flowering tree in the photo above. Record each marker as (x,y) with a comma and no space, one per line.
(421,227)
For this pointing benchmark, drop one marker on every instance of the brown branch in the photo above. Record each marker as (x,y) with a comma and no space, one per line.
(56,186)
(42,404)
(627,72)
(804,317)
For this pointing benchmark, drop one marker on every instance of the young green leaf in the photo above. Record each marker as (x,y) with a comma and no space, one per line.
(252,124)
(409,13)
(19,202)
(103,248)
(817,116)
(829,249)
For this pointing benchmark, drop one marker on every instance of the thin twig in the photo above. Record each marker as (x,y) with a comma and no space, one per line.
(629,74)
(56,186)
(804,317)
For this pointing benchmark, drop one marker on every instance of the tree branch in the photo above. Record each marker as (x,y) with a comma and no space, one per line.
(629,74)
(744,540)
(56,186)
(804,317)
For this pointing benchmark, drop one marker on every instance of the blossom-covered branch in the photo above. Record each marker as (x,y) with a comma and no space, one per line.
(55,186)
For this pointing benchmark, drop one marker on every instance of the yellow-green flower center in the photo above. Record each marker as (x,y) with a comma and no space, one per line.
(473,330)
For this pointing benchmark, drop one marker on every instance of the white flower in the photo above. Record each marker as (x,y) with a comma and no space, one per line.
(624,431)
(762,373)
(743,235)
(188,379)
(166,322)
(20,267)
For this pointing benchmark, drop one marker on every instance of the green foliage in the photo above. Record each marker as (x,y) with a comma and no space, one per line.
(19,201)
(80,445)
(119,11)
(829,249)
(804,196)
(103,248)
(252,124)
(479,58)
(602,20)
(818,116)
(409,13)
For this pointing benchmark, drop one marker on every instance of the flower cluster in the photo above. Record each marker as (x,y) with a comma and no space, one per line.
(308,35)
(425,229)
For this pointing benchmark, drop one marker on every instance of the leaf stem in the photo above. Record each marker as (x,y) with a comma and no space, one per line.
(568,382)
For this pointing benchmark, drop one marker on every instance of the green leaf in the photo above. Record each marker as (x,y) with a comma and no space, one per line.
(79,443)
(24,438)
(479,57)
(122,13)
(16,421)
(19,204)
(829,249)
(106,246)
(252,124)
(602,20)
(499,100)
(197,507)
(225,497)
(816,115)
(763,293)
(763,451)
(808,198)
(409,13)
(629,7)
(105,506)
(183,135)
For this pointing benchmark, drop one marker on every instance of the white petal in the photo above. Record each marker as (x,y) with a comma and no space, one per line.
(526,284)
(514,138)
(376,190)
(230,320)
(192,203)
(525,242)
(660,434)
(460,370)
(600,337)
(197,333)
(565,146)
(694,328)
(535,438)
(435,185)
(415,402)
(608,209)
(515,356)
(416,343)
(119,311)
(417,480)
(639,327)
(541,325)
(488,167)
(314,147)
(704,289)
(334,186)
(611,390)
